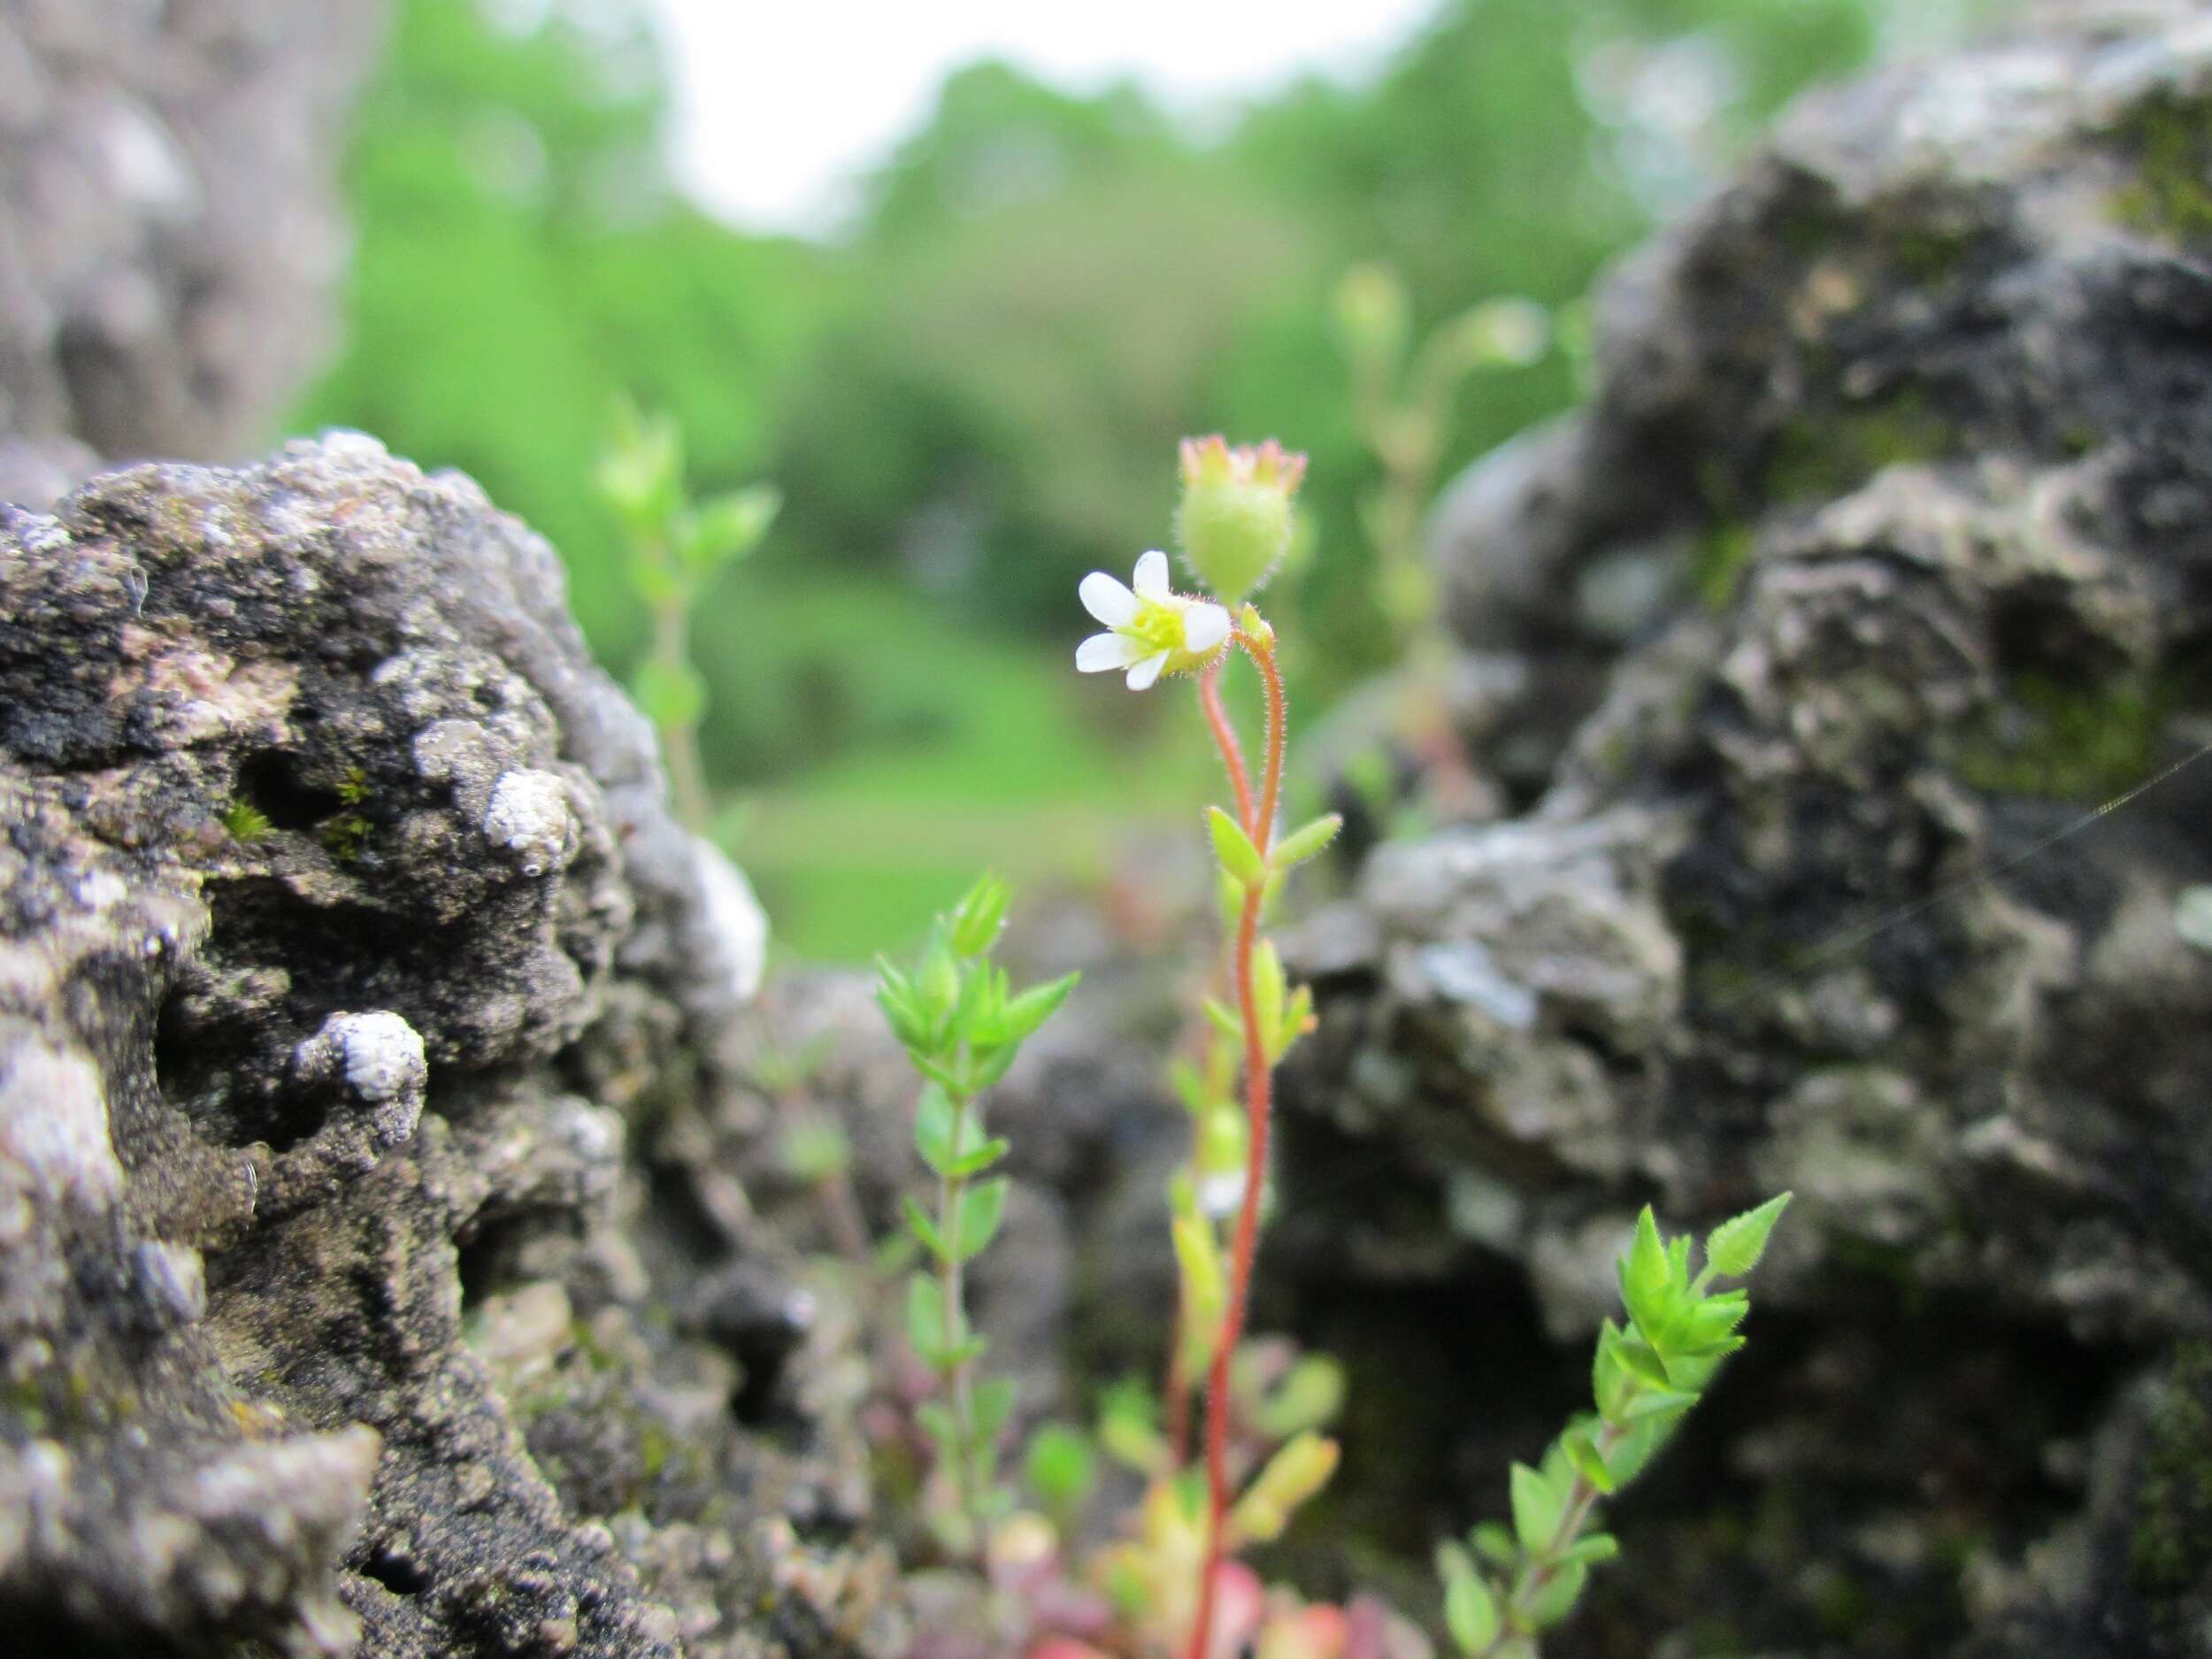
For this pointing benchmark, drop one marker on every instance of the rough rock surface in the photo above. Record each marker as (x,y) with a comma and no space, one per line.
(347,952)
(169,228)
(1882,553)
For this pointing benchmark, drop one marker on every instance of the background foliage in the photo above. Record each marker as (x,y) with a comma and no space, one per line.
(971,397)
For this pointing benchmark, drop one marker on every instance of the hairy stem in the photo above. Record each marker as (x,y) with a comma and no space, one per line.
(1225,740)
(951,1190)
(1259,1082)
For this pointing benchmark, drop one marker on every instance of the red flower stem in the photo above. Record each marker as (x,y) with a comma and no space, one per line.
(1225,740)
(1257,1104)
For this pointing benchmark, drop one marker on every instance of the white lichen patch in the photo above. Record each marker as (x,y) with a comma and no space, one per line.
(383,1055)
(529,820)
(730,938)
(54,1119)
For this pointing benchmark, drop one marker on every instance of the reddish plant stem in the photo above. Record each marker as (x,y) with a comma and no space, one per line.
(1258,1083)
(1178,1385)
(1225,740)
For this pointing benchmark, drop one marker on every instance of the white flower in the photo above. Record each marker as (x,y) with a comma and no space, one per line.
(1153,631)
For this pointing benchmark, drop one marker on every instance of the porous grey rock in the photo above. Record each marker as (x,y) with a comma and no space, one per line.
(1876,560)
(170,235)
(347,955)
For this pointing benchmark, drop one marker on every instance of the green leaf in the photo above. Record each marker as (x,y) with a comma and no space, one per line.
(981,1208)
(1733,1247)
(981,1158)
(1639,1359)
(979,917)
(1302,843)
(1268,988)
(1293,1022)
(1235,849)
(1224,1020)
(1644,1275)
(1308,1397)
(926,1319)
(1537,1504)
(671,696)
(1583,1453)
(1558,1596)
(1495,1541)
(1060,1466)
(1470,1608)
(725,528)
(990,1404)
(1590,1549)
(937,1125)
(936,1419)
(924,1229)
(1029,1010)
(1661,1404)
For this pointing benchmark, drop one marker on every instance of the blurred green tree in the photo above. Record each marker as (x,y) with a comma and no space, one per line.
(521,260)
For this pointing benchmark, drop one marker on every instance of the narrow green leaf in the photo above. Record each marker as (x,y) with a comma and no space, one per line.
(1470,1608)
(924,1229)
(1733,1247)
(1583,1453)
(985,1155)
(1224,1020)
(1661,1404)
(1638,1358)
(1060,1466)
(1537,1504)
(1029,1010)
(1235,849)
(926,1319)
(1590,1549)
(1644,1270)
(1268,988)
(1293,1024)
(1558,1597)
(1495,1541)
(979,917)
(991,1403)
(981,1208)
(1303,843)
(936,1124)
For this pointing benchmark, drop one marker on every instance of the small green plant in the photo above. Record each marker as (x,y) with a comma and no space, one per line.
(1507,1584)
(245,823)
(1401,403)
(677,547)
(1233,526)
(961,1025)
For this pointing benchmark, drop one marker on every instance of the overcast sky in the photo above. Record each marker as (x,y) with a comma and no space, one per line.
(780,102)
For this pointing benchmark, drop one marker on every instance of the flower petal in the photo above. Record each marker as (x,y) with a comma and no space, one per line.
(1204,627)
(1151,578)
(1104,651)
(1107,599)
(1144,674)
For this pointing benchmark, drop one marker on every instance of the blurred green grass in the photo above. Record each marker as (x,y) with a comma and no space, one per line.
(918,744)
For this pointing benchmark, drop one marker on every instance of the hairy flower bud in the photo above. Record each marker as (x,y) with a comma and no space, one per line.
(1235,521)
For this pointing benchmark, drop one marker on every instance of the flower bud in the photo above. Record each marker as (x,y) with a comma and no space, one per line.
(1235,521)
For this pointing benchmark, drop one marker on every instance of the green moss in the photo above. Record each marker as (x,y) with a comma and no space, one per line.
(1820,459)
(2171,194)
(246,823)
(2066,742)
(2172,1539)
(1718,561)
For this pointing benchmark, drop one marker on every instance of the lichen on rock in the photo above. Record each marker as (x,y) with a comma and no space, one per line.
(328,1303)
